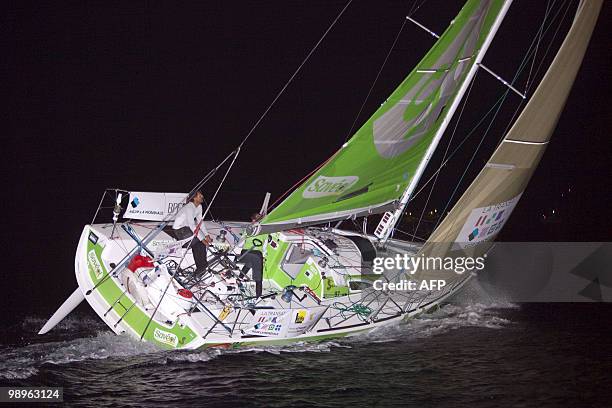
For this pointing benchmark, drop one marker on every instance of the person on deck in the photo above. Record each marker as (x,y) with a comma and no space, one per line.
(188,222)
(253,260)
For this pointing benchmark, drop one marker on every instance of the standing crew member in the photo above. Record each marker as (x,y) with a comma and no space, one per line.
(185,224)
(253,260)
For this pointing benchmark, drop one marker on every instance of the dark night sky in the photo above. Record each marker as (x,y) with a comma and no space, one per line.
(151,96)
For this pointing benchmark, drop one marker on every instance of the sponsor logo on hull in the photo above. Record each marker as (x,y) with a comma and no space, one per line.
(94,263)
(165,337)
(300,316)
(269,323)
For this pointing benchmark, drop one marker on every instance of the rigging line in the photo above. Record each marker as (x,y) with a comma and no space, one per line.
(210,174)
(539,34)
(552,39)
(413,10)
(522,66)
(499,100)
(410,235)
(285,87)
(522,102)
(271,206)
(236,152)
(376,79)
(467,97)
(538,37)
(294,74)
(471,160)
(417,7)
(412,7)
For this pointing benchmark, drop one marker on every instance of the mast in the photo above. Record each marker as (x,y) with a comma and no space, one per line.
(390,219)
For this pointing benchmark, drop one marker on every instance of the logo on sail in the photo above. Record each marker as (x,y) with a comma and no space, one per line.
(485,222)
(324,186)
(165,337)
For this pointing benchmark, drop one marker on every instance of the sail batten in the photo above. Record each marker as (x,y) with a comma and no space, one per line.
(385,156)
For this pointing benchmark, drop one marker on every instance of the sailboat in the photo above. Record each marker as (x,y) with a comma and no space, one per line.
(321,281)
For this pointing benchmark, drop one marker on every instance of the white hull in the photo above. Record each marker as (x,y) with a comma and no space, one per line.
(181,324)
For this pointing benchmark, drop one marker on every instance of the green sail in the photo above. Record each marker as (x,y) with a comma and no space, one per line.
(373,169)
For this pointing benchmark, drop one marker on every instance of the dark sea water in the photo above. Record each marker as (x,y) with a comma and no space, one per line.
(469,354)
